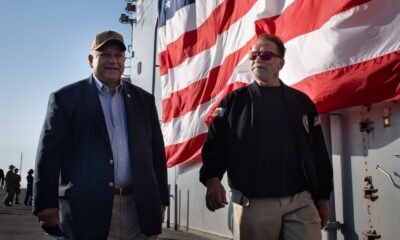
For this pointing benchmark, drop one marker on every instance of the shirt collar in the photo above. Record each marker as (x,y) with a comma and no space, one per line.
(102,87)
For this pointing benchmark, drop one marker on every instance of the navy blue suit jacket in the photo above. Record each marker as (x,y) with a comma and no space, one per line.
(73,168)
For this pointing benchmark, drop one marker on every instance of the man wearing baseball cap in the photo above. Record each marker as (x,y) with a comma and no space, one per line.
(108,36)
(10,186)
(100,167)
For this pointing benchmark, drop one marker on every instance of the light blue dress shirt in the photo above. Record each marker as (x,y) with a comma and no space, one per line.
(114,113)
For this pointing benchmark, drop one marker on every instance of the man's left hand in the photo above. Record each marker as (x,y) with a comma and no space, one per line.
(163,207)
(323,210)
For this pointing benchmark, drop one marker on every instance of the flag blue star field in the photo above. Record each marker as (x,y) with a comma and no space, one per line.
(340,53)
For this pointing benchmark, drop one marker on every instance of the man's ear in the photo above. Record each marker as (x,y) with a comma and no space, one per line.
(282,63)
(90,58)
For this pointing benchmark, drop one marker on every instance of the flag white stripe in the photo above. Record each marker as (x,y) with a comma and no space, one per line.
(186,19)
(192,123)
(270,8)
(342,41)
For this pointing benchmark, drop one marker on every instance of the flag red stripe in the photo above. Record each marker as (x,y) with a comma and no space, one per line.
(178,153)
(367,82)
(205,36)
(303,16)
(183,101)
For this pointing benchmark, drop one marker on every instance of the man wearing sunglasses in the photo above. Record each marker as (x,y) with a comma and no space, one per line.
(268,139)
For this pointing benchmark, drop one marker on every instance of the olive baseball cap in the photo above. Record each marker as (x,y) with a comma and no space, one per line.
(106,36)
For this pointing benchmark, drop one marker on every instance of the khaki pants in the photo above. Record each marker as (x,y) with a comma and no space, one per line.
(124,221)
(286,218)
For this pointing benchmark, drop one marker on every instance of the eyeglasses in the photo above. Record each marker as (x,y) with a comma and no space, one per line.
(264,55)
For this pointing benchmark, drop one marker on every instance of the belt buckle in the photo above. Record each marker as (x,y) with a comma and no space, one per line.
(245,202)
(239,198)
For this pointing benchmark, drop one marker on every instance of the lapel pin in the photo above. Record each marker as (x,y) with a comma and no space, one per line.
(129,96)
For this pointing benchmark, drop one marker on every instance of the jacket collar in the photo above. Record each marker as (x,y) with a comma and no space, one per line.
(93,104)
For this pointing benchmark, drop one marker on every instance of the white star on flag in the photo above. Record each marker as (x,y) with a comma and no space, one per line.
(168,4)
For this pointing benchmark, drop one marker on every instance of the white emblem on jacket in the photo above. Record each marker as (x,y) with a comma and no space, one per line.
(218,112)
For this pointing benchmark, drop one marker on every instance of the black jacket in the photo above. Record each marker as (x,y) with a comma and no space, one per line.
(231,141)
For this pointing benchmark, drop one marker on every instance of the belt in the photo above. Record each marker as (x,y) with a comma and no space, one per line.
(123,191)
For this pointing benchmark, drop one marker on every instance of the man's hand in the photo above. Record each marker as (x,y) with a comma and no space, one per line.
(216,195)
(163,207)
(48,217)
(323,210)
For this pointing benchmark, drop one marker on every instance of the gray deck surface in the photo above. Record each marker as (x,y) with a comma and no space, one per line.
(18,223)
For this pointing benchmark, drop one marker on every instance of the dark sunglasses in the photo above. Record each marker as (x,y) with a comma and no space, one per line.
(264,55)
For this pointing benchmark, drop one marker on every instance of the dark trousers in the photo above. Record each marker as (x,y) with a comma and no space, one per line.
(28,197)
(17,192)
(10,197)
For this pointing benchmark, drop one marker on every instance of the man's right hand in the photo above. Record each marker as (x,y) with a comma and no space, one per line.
(216,195)
(48,217)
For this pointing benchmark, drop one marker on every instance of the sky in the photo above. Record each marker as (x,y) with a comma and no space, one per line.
(43,46)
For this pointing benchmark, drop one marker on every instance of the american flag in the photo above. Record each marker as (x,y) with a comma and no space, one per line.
(341,53)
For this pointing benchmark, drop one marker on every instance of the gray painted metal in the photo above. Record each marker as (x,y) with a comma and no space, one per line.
(355,157)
